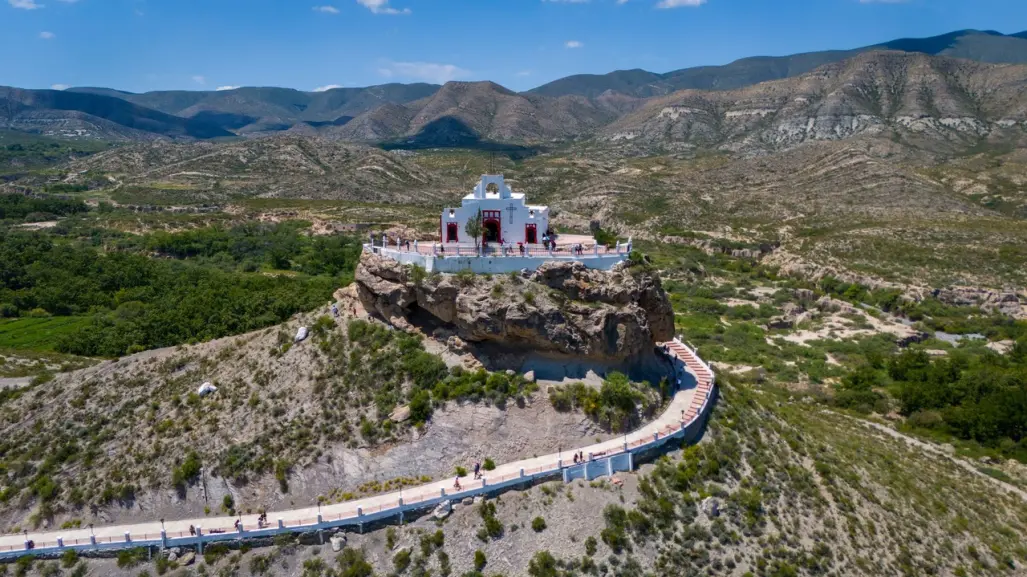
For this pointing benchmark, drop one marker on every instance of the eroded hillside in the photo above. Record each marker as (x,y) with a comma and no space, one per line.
(279,167)
(933,103)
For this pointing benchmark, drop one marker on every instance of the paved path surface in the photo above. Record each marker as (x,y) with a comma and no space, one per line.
(683,408)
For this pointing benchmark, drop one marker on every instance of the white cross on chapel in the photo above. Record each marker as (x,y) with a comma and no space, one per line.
(512,209)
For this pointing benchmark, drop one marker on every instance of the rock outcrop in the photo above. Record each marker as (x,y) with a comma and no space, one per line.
(562,307)
(1006,302)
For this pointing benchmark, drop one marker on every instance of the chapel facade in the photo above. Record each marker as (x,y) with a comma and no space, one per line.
(507,218)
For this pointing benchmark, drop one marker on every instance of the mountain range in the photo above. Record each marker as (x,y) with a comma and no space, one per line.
(954,88)
(988,46)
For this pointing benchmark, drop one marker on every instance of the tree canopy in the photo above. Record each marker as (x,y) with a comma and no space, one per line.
(209,287)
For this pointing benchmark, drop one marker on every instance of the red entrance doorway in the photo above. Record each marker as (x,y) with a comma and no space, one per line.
(492,228)
(451,232)
(530,234)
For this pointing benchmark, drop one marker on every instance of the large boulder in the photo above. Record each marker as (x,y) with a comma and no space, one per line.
(563,307)
(382,286)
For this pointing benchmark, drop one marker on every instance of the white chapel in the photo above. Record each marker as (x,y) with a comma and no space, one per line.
(506,216)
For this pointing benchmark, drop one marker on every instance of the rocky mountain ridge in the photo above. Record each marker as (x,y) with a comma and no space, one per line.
(99,116)
(938,103)
(982,46)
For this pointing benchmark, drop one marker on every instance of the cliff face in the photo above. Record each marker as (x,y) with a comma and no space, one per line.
(560,308)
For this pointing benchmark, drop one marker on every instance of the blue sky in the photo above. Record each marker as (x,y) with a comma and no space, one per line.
(141,45)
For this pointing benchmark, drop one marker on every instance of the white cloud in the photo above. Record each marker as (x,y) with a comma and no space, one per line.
(199,79)
(25,4)
(47,35)
(222,88)
(573,44)
(679,3)
(381,7)
(326,9)
(327,87)
(426,71)
(59,87)
(524,73)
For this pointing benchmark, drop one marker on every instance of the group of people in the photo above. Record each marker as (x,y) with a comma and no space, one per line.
(548,242)
(579,457)
(400,243)
(477,475)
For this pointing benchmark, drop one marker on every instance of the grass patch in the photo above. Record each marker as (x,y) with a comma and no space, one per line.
(38,334)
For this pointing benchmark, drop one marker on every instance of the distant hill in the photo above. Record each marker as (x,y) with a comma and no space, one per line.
(469,113)
(282,165)
(61,113)
(264,109)
(934,103)
(989,46)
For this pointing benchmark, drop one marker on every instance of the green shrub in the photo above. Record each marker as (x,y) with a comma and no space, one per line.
(22,565)
(162,565)
(538,524)
(420,407)
(401,560)
(445,568)
(591,546)
(417,274)
(352,563)
(543,564)
(282,474)
(479,560)
(213,552)
(614,406)
(261,564)
(489,464)
(493,528)
(461,471)
(615,534)
(465,277)
(69,558)
(187,472)
(131,557)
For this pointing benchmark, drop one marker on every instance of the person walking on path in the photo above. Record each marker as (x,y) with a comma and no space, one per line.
(477,470)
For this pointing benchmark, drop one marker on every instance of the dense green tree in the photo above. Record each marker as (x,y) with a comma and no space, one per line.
(973,393)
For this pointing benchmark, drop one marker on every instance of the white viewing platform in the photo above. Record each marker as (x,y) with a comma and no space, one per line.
(453,258)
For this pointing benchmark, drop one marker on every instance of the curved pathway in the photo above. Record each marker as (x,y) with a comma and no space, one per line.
(684,415)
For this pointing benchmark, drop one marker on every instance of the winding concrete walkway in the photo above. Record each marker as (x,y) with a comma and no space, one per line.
(686,407)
